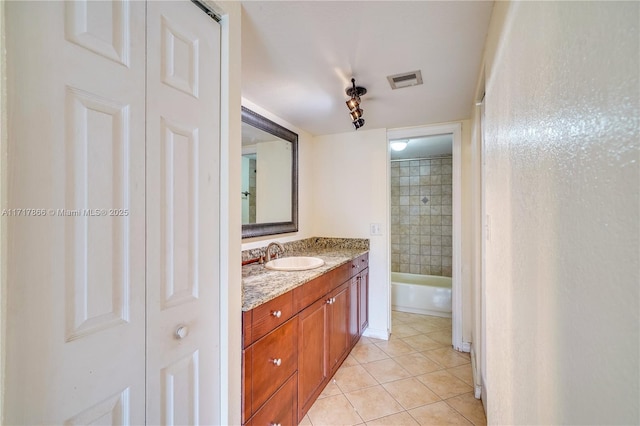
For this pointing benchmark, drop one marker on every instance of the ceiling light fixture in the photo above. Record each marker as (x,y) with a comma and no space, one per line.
(354,103)
(399,145)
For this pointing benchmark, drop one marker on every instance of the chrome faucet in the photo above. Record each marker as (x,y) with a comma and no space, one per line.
(268,250)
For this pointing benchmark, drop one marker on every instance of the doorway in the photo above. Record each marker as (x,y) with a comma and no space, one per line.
(423,262)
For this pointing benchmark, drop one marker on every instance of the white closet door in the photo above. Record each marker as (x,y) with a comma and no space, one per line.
(75,350)
(183,101)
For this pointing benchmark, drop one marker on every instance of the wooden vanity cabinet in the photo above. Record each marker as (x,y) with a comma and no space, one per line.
(294,343)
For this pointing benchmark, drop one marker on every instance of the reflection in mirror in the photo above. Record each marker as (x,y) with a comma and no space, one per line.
(269,177)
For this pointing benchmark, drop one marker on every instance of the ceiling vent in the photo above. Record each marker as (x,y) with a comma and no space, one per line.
(406,79)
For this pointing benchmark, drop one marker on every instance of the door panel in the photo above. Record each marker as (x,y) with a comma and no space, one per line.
(76,271)
(183,74)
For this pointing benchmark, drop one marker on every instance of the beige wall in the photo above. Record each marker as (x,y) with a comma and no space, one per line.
(561,192)
(350,191)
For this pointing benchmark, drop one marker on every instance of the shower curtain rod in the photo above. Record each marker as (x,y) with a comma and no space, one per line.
(423,158)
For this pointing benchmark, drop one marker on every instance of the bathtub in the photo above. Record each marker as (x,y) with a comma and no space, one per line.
(421,294)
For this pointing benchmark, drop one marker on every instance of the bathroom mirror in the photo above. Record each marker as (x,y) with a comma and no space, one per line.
(269,177)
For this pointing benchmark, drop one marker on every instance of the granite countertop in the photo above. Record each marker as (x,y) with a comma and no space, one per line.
(259,284)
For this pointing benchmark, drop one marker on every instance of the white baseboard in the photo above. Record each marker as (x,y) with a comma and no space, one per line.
(464,347)
(483,395)
(413,310)
(474,371)
(376,333)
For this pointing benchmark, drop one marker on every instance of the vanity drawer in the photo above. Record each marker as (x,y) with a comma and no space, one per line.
(270,315)
(359,263)
(274,359)
(282,408)
(319,287)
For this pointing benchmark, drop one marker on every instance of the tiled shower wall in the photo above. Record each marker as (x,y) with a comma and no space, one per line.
(421,209)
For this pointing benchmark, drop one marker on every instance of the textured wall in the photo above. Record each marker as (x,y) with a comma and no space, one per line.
(421,209)
(563,206)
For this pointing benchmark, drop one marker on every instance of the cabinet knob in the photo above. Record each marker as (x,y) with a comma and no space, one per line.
(182,331)
(277,362)
(329,301)
(275,424)
(276,314)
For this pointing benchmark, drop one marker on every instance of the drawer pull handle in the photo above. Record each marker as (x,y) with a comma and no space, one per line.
(275,424)
(331,301)
(276,314)
(277,362)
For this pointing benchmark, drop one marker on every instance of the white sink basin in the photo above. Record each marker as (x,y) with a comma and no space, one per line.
(296,263)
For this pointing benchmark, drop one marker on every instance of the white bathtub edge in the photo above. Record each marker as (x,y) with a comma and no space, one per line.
(413,310)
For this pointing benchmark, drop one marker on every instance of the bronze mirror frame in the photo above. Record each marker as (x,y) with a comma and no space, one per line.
(261,229)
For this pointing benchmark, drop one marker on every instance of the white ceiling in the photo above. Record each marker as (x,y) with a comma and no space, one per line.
(299,56)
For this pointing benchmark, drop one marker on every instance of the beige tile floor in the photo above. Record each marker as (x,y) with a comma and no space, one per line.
(415,378)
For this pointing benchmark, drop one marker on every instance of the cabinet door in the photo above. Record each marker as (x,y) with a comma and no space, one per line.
(364,300)
(281,408)
(354,305)
(313,365)
(339,324)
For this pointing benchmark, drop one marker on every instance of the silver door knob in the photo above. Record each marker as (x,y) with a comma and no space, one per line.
(276,314)
(182,331)
(277,362)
